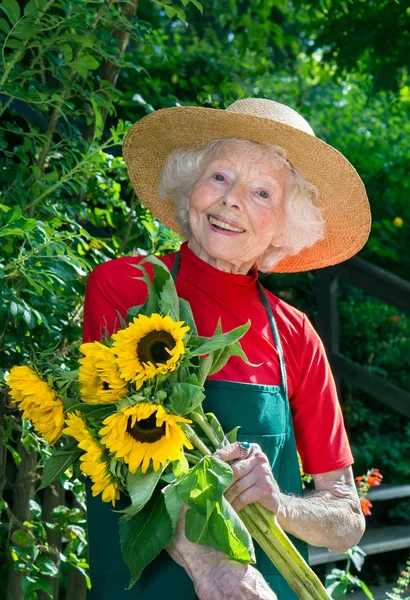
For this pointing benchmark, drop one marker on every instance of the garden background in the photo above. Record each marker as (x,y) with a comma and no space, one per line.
(75,75)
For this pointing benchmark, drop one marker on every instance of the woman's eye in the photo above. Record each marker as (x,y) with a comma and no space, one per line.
(219,177)
(264,194)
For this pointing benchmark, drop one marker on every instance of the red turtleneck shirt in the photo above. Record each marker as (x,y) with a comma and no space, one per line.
(320,435)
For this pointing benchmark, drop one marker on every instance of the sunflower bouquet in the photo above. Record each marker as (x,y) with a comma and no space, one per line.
(131,416)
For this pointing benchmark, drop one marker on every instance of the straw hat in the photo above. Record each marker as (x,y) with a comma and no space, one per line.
(342,195)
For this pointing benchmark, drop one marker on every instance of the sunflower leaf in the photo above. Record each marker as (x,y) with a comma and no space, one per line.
(151,303)
(161,272)
(232,435)
(134,311)
(211,521)
(165,288)
(144,535)
(59,462)
(173,503)
(185,397)
(185,314)
(201,345)
(222,356)
(96,411)
(140,487)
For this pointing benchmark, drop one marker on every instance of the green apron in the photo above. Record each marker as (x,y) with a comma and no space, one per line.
(263,412)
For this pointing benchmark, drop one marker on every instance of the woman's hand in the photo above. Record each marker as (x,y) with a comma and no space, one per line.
(225,579)
(253,480)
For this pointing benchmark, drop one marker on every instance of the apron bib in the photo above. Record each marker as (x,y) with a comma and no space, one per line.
(263,412)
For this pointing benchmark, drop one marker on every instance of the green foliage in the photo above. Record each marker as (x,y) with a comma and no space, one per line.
(155,526)
(68,95)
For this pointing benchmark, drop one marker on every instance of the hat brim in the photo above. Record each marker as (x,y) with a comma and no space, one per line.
(342,195)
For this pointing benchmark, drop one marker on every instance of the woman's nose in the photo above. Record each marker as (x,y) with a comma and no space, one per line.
(235,197)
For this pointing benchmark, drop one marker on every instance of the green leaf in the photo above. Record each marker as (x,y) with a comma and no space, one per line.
(4,26)
(198,6)
(16,44)
(215,424)
(46,566)
(211,521)
(13,214)
(185,397)
(67,52)
(12,9)
(222,530)
(205,364)
(232,435)
(180,13)
(366,590)
(170,11)
(52,176)
(22,537)
(173,503)
(185,314)
(59,462)
(86,62)
(134,311)
(96,411)
(30,583)
(34,6)
(144,535)
(140,487)
(165,288)
(201,345)
(151,304)
(180,467)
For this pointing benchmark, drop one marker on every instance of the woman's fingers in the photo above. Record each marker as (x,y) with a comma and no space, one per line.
(235,451)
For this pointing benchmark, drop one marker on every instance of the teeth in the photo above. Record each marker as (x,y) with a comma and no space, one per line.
(223,225)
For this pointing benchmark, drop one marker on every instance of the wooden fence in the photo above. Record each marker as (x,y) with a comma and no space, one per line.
(378,283)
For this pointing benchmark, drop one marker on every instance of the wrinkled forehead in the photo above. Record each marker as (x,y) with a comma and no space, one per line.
(251,158)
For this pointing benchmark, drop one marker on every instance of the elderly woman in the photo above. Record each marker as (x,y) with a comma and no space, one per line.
(251,188)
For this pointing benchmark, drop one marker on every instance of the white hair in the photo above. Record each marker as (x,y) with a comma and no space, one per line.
(302,224)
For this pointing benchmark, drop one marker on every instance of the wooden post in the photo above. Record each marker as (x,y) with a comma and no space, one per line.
(327,323)
(76,586)
(23,493)
(53,497)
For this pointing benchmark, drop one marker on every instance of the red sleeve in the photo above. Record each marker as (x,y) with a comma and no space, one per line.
(317,417)
(112,289)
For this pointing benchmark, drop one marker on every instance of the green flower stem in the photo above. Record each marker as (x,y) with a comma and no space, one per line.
(202,422)
(265,529)
(281,564)
(192,458)
(196,440)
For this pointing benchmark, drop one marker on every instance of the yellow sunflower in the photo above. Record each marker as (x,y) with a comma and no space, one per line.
(99,376)
(92,463)
(149,346)
(38,401)
(144,432)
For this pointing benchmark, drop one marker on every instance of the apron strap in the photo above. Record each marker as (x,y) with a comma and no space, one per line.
(276,337)
(175,268)
(272,322)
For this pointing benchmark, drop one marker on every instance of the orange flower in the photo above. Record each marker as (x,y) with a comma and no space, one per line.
(359,479)
(374,477)
(366,506)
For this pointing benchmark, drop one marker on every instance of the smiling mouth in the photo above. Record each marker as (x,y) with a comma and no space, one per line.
(223,225)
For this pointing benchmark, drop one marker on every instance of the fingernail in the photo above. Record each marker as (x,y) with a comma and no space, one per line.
(246,444)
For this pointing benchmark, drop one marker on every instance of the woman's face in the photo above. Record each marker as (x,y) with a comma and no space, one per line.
(236,207)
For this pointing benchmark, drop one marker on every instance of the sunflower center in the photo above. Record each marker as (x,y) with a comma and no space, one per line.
(146,430)
(153,347)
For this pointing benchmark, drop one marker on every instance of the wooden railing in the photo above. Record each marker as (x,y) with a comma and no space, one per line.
(378,283)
